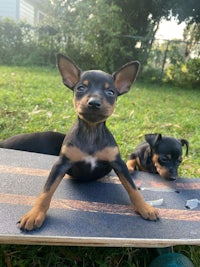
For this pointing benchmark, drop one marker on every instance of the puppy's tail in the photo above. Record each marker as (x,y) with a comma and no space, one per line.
(186,143)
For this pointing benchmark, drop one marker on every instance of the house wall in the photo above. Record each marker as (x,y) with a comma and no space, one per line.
(26,12)
(17,10)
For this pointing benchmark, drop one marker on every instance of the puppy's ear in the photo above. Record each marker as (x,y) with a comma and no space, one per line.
(125,76)
(69,71)
(153,139)
(186,143)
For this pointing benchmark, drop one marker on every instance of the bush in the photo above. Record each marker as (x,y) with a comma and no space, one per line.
(184,74)
(21,44)
(150,75)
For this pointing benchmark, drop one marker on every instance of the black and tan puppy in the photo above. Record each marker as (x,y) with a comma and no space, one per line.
(158,154)
(89,150)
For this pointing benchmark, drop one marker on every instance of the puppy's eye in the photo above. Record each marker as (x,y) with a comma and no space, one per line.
(179,160)
(109,92)
(164,159)
(81,88)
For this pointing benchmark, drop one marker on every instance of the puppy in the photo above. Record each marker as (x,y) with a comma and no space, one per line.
(158,154)
(89,150)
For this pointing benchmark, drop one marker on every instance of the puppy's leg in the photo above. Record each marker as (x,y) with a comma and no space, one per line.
(131,164)
(36,216)
(140,206)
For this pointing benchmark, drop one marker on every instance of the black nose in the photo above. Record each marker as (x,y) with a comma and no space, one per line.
(94,103)
(173,173)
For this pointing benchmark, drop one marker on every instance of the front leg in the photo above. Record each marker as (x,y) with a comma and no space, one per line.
(36,216)
(131,165)
(140,206)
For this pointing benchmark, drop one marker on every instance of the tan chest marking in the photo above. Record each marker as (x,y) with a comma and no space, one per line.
(74,154)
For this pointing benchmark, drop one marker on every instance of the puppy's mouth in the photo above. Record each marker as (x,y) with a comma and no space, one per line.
(165,173)
(93,114)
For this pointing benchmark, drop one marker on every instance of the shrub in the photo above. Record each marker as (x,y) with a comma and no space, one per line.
(21,44)
(184,74)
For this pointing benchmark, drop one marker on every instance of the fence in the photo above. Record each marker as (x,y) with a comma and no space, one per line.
(163,52)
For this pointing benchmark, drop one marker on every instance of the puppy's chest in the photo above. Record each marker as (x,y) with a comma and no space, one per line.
(89,166)
(91,161)
(75,154)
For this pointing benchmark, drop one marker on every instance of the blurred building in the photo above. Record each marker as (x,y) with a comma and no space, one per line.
(25,10)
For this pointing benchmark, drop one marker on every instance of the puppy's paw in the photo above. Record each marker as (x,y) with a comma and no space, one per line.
(147,212)
(130,166)
(31,220)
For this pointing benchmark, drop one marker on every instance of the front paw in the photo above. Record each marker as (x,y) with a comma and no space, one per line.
(32,219)
(147,212)
(131,170)
(130,166)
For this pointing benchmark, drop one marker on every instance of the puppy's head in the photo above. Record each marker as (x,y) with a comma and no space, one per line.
(96,92)
(167,154)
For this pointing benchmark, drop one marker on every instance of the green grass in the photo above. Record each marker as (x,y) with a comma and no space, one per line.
(34,99)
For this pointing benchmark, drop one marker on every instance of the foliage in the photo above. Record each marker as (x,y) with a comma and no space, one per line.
(164,54)
(99,34)
(188,11)
(192,38)
(140,23)
(107,33)
(192,33)
(185,74)
(22,44)
(61,256)
(89,32)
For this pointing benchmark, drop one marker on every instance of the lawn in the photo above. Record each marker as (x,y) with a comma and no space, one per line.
(34,99)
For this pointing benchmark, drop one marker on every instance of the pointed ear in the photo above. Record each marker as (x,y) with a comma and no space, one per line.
(69,71)
(153,139)
(125,76)
(186,143)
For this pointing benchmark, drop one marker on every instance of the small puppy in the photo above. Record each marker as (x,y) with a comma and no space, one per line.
(89,150)
(159,154)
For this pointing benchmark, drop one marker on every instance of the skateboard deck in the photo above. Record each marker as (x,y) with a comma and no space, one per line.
(94,213)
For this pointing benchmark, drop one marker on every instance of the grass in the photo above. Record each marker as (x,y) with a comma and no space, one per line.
(34,99)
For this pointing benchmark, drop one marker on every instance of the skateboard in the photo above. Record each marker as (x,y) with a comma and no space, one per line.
(94,213)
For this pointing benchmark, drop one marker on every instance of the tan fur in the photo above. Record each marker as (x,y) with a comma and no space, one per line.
(139,204)
(36,216)
(162,171)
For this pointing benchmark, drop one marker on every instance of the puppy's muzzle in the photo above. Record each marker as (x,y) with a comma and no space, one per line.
(94,103)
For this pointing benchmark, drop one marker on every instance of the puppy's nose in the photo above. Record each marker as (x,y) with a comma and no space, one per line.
(94,103)
(173,174)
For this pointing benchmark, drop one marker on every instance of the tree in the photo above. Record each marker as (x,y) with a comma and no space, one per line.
(106,33)
(141,20)
(186,10)
(109,33)
(90,29)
